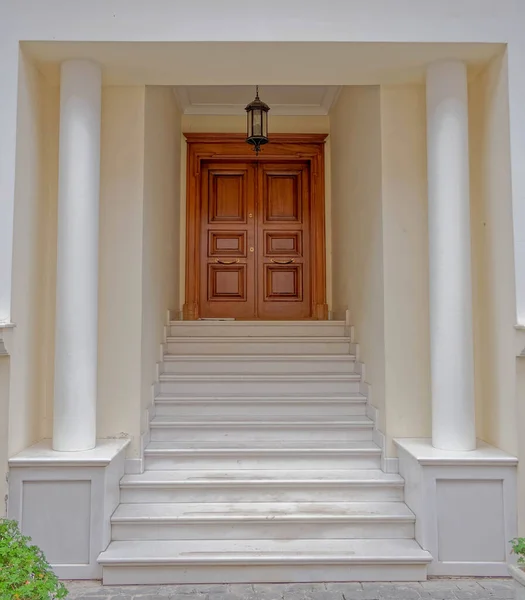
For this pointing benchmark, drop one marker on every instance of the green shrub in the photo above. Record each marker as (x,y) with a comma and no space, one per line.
(24,571)
(518,548)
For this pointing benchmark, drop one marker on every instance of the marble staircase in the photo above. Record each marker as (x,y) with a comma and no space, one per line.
(261,466)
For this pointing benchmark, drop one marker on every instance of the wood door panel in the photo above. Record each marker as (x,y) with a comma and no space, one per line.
(282,196)
(227,283)
(227,268)
(283,283)
(227,196)
(283,257)
(283,243)
(226,243)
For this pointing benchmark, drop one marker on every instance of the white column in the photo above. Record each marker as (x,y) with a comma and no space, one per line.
(451,352)
(74,421)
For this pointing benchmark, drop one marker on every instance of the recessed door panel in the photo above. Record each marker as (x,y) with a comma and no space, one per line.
(227,283)
(283,243)
(282,196)
(227,196)
(226,243)
(283,283)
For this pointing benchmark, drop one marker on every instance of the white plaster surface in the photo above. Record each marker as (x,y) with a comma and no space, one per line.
(465,505)
(69,549)
(426,454)
(53,492)
(42,454)
(451,341)
(76,339)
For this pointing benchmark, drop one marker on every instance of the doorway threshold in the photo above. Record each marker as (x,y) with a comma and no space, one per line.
(217,319)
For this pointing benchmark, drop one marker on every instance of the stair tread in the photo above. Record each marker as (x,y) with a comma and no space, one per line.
(263,376)
(258,357)
(265,446)
(259,323)
(366,476)
(280,397)
(264,551)
(333,421)
(274,511)
(270,339)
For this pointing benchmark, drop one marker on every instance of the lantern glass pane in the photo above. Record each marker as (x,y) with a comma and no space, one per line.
(257,122)
(265,123)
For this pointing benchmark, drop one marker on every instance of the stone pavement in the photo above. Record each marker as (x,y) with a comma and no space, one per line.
(434,589)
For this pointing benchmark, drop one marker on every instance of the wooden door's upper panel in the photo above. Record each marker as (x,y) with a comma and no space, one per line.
(282,195)
(227,196)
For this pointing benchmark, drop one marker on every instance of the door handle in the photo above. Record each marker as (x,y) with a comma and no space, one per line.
(283,262)
(227,262)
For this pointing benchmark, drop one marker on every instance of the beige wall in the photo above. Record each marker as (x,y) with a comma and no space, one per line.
(380,251)
(357,227)
(237,124)
(493,268)
(138,254)
(120,263)
(405,263)
(161,247)
(500,376)
(31,365)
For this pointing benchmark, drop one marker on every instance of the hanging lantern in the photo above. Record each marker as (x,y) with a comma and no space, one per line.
(257,113)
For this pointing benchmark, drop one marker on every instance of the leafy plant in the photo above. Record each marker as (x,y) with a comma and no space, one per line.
(24,571)
(518,548)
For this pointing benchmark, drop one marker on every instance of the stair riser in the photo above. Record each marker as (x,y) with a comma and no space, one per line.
(267,433)
(253,573)
(276,461)
(262,330)
(283,409)
(256,365)
(314,493)
(269,347)
(270,387)
(260,530)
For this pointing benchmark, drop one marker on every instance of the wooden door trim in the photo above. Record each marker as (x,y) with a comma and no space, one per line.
(232,146)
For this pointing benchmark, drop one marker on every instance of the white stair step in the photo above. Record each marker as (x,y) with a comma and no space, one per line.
(166,428)
(261,486)
(275,363)
(262,520)
(233,383)
(260,406)
(220,561)
(279,455)
(252,345)
(257,328)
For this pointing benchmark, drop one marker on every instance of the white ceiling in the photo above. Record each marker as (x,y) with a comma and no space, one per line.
(232,99)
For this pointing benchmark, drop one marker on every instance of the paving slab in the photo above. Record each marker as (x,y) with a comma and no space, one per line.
(433,589)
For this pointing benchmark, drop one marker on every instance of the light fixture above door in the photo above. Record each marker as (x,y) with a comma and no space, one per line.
(257,122)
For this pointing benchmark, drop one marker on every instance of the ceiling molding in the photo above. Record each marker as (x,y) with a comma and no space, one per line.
(188,107)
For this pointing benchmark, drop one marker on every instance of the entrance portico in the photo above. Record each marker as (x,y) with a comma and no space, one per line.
(373,235)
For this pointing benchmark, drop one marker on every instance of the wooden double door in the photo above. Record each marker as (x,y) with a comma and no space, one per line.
(255,240)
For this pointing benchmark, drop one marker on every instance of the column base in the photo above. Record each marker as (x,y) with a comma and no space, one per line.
(465,506)
(64,501)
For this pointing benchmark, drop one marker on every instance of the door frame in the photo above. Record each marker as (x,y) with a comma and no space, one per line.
(300,147)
